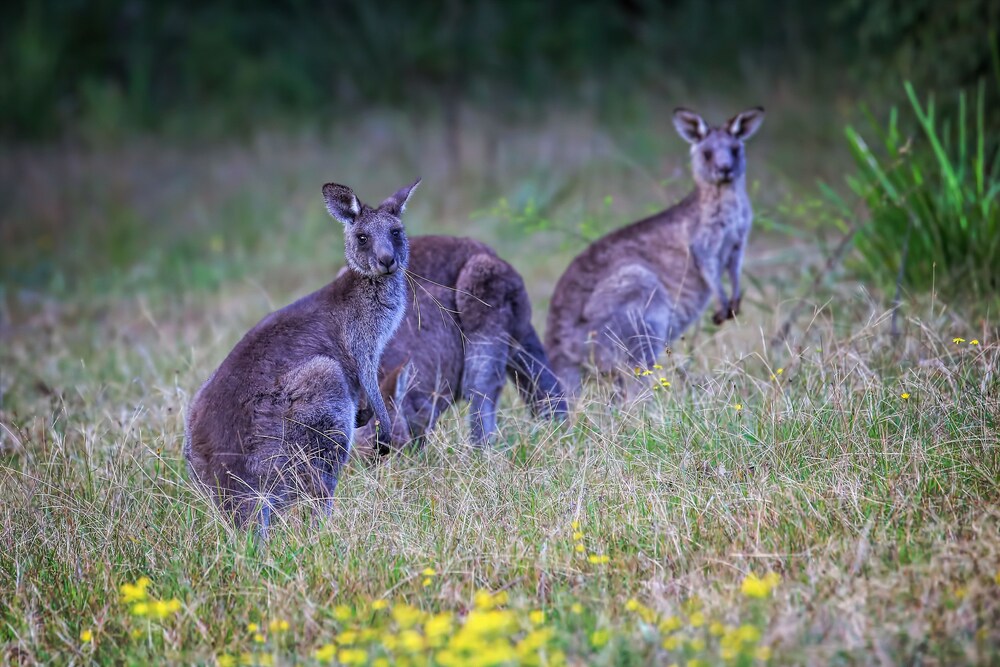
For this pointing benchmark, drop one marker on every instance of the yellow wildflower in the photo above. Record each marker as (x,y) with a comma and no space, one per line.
(757,587)
(716,629)
(669,624)
(575,525)
(537,617)
(577,608)
(738,406)
(599,638)
(265,660)
(259,638)
(437,628)
(247,658)
(135,592)
(697,644)
(225,660)
(352,656)
(672,643)
(347,637)
(974,341)
(342,613)
(381,662)
(598,559)
(411,641)
(578,536)
(579,548)
(87,636)
(406,616)
(429,572)
(638,370)
(957,340)
(632,604)
(426,582)
(278,625)
(253,627)
(697,619)
(748,634)
(664,383)
(657,367)
(136,633)
(647,372)
(140,609)
(325,653)
(905,395)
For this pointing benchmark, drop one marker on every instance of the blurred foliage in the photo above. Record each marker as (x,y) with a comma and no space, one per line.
(931,185)
(105,65)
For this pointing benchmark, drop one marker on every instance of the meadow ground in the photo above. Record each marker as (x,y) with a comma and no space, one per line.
(832,499)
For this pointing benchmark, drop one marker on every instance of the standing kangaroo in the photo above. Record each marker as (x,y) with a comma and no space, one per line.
(277,418)
(468,324)
(637,289)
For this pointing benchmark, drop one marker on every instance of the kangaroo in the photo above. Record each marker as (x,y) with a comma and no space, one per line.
(276,419)
(468,324)
(637,289)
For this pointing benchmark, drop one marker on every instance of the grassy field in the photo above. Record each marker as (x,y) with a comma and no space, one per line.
(833,499)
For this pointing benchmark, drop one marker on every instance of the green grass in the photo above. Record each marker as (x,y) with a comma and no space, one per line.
(880,514)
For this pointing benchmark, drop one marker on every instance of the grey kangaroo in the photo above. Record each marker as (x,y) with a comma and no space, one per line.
(276,419)
(637,289)
(468,324)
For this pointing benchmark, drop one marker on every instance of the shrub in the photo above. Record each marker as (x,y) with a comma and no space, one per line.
(931,198)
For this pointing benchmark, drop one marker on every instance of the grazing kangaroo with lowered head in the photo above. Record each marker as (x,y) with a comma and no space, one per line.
(277,418)
(468,323)
(634,291)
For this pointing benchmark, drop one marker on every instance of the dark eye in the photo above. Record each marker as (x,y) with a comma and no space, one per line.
(708,154)
(736,151)
(362,239)
(396,233)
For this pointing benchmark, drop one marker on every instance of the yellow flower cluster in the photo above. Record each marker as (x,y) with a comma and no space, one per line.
(959,340)
(685,634)
(660,383)
(142,605)
(760,587)
(578,547)
(406,636)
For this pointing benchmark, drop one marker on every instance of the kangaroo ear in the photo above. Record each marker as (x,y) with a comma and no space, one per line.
(402,384)
(341,202)
(396,204)
(690,126)
(744,124)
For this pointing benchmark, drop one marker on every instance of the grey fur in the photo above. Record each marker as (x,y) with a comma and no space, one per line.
(276,419)
(634,291)
(468,323)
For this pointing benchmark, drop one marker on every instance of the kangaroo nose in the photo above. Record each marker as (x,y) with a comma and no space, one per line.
(387,263)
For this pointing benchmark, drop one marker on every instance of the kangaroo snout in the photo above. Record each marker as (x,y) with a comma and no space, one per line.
(387,264)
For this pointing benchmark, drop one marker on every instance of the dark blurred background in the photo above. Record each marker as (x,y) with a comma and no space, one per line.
(173,145)
(111,65)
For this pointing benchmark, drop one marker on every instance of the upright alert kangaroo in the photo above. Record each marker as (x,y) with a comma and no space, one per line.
(637,289)
(467,325)
(276,419)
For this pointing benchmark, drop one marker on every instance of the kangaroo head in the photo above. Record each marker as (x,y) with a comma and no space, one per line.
(375,242)
(717,155)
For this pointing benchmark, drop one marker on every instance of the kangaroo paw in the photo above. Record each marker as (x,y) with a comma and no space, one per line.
(734,308)
(722,315)
(363,416)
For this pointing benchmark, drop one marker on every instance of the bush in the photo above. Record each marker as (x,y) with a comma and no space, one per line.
(931,197)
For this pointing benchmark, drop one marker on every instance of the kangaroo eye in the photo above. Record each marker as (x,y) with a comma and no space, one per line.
(362,239)
(736,151)
(708,154)
(395,233)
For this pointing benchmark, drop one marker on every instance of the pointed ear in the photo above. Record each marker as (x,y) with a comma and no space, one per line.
(341,203)
(690,126)
(402,384)
(744,124)
(396,204)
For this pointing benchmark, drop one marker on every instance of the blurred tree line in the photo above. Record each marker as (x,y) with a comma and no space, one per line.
(142,64)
